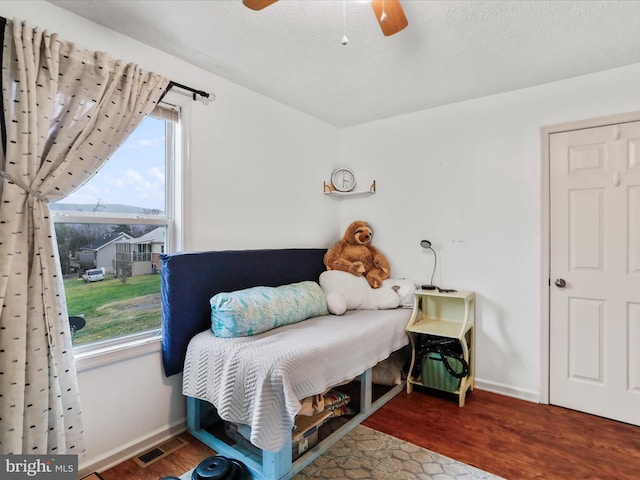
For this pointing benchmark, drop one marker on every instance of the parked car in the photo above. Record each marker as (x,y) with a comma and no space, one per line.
(93,275)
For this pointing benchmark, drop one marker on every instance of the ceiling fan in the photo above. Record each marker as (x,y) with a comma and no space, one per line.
(389,13)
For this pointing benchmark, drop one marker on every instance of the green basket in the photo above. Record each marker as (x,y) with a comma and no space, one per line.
(435,375)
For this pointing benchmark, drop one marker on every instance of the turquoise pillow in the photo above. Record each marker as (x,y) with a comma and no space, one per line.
(259,309)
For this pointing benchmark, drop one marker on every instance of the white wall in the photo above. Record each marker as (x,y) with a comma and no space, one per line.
(257,183)
(253,180)
(467,177)
(128,405)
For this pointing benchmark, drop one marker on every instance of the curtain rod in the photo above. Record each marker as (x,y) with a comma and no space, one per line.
(206,97)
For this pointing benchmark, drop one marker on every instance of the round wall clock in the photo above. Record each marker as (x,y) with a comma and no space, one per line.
(343,180)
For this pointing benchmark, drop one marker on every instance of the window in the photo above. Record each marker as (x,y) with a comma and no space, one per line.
(112,230)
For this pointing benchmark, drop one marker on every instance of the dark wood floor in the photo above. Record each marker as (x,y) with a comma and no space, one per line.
(515,439)
(175,464)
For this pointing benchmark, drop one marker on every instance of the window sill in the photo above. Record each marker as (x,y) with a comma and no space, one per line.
(105,353)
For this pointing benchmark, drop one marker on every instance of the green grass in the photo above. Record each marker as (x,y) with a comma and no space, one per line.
(112,309)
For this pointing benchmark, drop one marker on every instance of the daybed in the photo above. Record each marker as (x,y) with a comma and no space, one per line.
(259,380)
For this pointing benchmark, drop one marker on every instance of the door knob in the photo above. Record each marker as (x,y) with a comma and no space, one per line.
(560,283)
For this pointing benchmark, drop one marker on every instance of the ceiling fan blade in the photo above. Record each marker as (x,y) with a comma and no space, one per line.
(257,4)
(395,17)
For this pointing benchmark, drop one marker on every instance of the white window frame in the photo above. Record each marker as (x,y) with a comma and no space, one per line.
(117,349)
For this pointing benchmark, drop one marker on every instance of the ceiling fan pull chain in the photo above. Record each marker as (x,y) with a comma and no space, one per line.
(345,40)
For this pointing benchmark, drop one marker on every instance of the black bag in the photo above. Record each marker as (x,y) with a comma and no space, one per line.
(447,348)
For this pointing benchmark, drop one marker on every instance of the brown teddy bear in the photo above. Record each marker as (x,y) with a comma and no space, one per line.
(354,253)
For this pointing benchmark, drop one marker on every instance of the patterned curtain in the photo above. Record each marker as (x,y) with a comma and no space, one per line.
(65,110)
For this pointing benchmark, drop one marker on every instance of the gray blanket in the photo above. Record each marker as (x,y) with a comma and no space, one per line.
(260,380)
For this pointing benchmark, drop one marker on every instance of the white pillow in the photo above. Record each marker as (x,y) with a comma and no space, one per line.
(345,291)
(406,290)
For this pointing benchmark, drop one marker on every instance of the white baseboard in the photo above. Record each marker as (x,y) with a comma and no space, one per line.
(131,449)
(509,391)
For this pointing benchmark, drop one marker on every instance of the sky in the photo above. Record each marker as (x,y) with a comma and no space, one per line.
(135,173)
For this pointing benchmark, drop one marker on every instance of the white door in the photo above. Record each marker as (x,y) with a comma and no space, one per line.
(594,336)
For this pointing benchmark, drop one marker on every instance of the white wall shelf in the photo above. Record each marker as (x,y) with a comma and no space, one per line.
(329,190)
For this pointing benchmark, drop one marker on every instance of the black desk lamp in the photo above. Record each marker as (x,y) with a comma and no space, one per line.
(427,245)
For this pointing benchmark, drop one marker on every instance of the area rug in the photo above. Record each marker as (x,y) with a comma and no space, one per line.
(367,454)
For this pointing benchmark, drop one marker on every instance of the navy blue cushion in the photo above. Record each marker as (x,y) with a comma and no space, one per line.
(189,280)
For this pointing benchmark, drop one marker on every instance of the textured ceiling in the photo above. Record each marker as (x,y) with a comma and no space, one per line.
(451,50)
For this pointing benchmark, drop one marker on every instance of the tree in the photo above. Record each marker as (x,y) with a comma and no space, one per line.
(124,267)
(123,228)
(70,238)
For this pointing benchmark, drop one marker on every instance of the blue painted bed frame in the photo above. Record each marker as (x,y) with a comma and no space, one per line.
(189,280)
